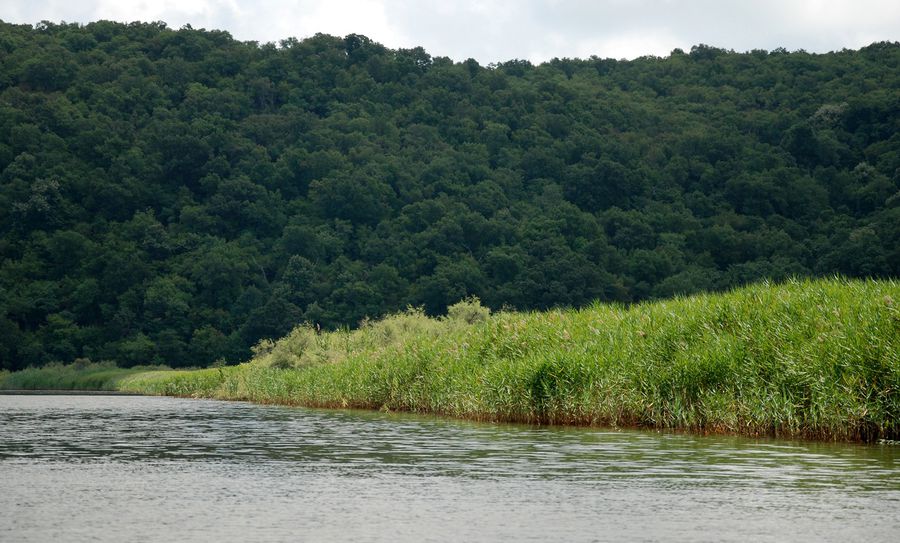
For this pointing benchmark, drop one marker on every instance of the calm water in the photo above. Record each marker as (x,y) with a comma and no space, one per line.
(106,468)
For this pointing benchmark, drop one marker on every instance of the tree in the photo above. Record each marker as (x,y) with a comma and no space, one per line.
(174,195)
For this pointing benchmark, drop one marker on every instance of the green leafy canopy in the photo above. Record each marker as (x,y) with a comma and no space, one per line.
(174,196)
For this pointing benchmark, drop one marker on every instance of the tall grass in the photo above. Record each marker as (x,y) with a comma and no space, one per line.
(76,376)
(816,359)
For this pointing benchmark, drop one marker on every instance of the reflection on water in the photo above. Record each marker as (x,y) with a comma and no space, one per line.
(110,468)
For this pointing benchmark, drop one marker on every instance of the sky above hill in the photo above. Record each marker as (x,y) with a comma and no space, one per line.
(499,30)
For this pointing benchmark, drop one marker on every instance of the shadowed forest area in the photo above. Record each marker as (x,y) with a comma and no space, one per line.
(174,196)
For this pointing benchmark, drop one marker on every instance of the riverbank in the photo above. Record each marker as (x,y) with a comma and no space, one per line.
(812,359)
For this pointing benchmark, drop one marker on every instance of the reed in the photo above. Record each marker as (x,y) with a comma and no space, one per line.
(806,358)
(80,375)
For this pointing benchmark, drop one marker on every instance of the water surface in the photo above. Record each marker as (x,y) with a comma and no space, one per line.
(109,468)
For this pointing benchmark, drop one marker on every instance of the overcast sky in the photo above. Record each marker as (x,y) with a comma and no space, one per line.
(498,30)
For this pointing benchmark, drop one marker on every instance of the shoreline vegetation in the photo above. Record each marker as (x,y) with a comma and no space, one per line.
(816,359)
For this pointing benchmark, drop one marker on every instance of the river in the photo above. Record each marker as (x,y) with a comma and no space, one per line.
(116,468)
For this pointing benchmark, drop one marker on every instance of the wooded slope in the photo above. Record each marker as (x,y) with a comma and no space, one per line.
(174,196)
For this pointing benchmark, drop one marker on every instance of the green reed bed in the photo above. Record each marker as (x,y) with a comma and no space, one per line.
(77,376)
(815,359)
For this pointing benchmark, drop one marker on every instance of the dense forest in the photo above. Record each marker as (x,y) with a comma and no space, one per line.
(174,196)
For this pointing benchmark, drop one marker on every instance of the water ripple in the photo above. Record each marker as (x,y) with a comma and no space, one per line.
(216,469)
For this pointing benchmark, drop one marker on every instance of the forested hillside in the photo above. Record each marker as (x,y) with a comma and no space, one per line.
(175,196)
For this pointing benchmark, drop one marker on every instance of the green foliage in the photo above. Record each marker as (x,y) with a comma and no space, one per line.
(79,375)
(307,346)
(468,311)
(816,359)
(172,196)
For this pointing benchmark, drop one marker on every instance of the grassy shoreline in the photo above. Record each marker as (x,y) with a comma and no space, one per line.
(809,359)
(78,376)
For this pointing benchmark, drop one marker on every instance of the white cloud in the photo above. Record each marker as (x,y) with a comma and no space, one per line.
(631,45)
(152,10)
(339,19)
(497,30)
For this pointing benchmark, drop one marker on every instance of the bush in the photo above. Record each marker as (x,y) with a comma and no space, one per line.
(468,311)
